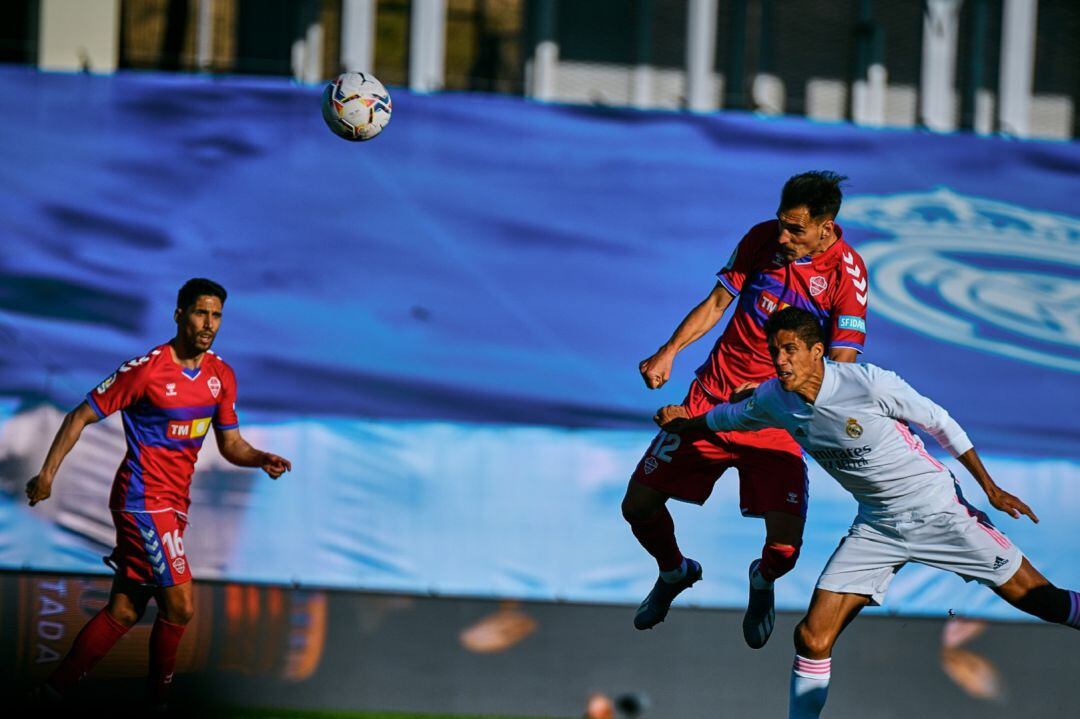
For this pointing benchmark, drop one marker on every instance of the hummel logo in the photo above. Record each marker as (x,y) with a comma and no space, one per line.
(999,562)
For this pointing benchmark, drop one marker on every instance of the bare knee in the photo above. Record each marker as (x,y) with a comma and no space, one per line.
(124,613)
(812,644)
(178,612)
(640,503)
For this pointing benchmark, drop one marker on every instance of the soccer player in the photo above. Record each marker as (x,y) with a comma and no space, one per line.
(169,399)
(798,259)
(854,420)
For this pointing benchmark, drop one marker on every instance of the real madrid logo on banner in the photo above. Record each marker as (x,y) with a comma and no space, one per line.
(985,274)
(853,428)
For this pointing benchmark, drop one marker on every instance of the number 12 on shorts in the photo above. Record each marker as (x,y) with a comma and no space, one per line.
(664,444)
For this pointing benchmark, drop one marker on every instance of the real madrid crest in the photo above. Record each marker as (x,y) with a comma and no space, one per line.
(853,429)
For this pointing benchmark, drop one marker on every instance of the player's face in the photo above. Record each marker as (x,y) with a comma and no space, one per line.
(796,364)
(199,324)
(800,234)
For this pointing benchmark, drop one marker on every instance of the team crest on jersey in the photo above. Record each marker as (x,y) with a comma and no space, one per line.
(215,386)
(179,565)
(650,465)
(853,428)
(818,284)
(108,382)
(988,275)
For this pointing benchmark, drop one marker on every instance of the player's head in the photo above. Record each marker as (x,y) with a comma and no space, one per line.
(198,312)
(807,213)
(797,346)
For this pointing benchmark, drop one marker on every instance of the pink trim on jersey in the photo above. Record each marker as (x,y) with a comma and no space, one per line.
(815,668)
(917,446)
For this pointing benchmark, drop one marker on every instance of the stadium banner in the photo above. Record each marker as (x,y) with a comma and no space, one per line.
(441,327)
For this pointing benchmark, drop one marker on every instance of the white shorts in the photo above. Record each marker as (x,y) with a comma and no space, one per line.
(958,538)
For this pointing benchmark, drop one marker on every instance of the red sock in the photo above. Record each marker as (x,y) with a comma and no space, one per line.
(164,641)
(777,560)
(657,535)
(94,641)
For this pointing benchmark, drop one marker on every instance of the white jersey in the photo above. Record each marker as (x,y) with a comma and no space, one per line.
(857,430)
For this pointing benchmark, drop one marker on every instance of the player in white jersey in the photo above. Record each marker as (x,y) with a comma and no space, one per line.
(853,419)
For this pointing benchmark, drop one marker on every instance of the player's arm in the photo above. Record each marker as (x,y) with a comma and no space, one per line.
(236,450)
(843,354)
(40,486)
(999,498)
(749,414)
(656,369)
(900,400)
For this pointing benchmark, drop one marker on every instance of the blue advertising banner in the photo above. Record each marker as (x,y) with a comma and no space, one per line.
(443,325)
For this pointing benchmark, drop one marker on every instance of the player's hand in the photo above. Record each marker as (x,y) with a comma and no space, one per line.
(656,370)
(672,418)
(274,465)
(1010,504)
(39,488)
(742,392)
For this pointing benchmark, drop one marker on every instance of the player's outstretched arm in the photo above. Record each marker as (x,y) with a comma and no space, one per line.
(40,486)
(236,450)
(999,498)
(656,370)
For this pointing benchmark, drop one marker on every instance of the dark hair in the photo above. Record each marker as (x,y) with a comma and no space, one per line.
(195,288)
(805,325)
(819,191)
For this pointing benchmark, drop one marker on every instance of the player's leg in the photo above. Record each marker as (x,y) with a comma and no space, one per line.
(1029,591)
(815,636)
(127,602)
(772,484)
(176,606)
(963,540)
(645,510)
(674,466)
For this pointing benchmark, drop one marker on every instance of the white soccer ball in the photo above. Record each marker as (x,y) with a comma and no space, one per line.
(356,106)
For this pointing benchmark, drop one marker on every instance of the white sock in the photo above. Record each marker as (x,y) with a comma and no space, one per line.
(674,575)
(809,687)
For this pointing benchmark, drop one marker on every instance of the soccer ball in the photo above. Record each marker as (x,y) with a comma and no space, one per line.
(356,106)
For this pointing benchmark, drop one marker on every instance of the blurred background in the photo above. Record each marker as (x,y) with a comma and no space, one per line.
(441,328)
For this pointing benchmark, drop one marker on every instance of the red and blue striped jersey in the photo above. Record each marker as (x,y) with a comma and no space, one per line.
(167,412)
(832,286)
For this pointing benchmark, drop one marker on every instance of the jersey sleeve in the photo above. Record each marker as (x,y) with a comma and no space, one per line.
(848,312)
(743,261)
(750,414)
(225,416)
(121,389)
(899,400)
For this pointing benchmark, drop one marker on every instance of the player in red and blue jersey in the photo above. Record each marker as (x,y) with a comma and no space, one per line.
(799,259)
(169,398)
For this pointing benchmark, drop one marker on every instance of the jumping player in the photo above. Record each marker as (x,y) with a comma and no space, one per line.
(798,259)
(169,398)
(854,420)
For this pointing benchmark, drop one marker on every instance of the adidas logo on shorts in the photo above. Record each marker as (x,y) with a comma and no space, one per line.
(999,562)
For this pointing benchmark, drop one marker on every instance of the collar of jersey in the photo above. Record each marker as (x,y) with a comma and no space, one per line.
(828,383)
